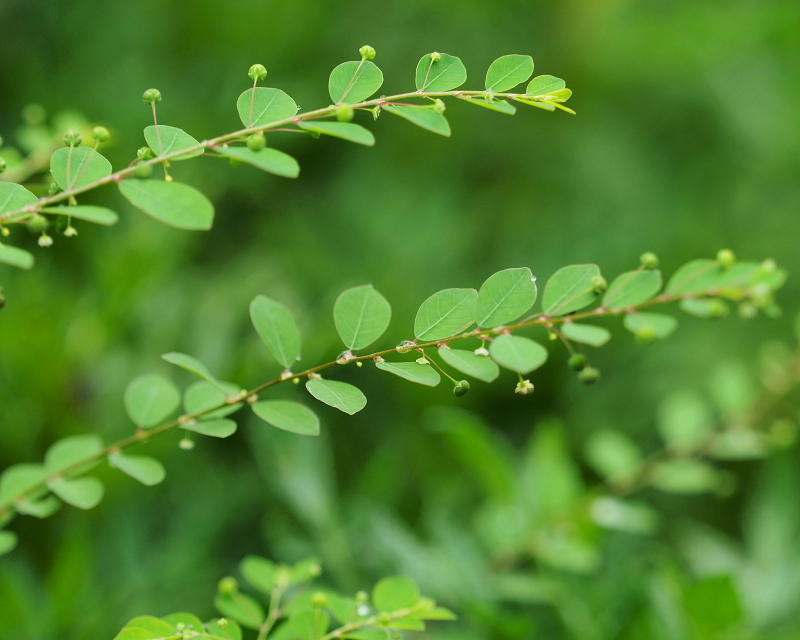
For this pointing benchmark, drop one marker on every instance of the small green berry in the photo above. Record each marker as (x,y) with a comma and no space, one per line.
(143,171)
(3,165)
(599,284)
(101,134)
(257,72)
(589,375)
(717,308)
(72,138)
(726,258)
(577,362)
(38,223)
(461,389)
(649,260)
(344,113)
(152,96)
(747,310)
(228,586)
(319,600)
(256,142)
(187,444)
(367,52)
(145,153)
(646,335)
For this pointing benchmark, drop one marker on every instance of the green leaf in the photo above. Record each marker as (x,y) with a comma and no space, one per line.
(345,130)
(413,624)
(192,365)
(15,257)
(201,396)
(614,456)
(354,81)
(259,572)
(188,620)
(438,613)
(424,117)
(8,542)
(505,296)
(230,629)
(240,607)
(569,289)
(685,422)
(517,354)
(277,328)
(14,196)
(632,288)
(586,334)
(157,627)
(145,469)
(684,476)
(704,307)
(84,493)
(367,634)
(21,479)
(340,395)
(697,276)
(267,159)
(304,571)
(90,213)
(395,593)
(72,450)
(495,105)
(172,203)
(468,362)
(445,313)
(444,74)
(653,325)
(165,140)
(137,633)
(221,428)
(413,371)
(547,106)
(78,166)
(310,625)
(150,399)
(262,106)
(361,315)
(545,85)
(289,416)
(43,508)
(507,72)
(623,515)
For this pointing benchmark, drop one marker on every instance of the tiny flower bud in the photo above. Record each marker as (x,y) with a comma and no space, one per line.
(70,231)
(747,310)
(589,375)
(257,72)
(143,171)
(481,351)
(187,444)
(435,57)
(385,619)
(101,134)
(524,388)
(726,258)
(577,362)
(145,153)
(649,260)
(599,284)
(552,335)
(45,240)
(319,600)
(53,189)
(38,223)
(367,52)
(222,623)
(228,586)
(257,142)
(152,96)
(344,113)
(3,165)
(439,106)
(72,138)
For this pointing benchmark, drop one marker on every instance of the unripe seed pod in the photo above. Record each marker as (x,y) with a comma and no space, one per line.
(101,134)
(646,335)
(464,383)
(459,391)
(72,138)
(228,586)
(726,258)
(143,171)
(367,52)
(152,96)
(257,72)
(599,284)
(319,600)
(3,165)
(256,142)
(717,308)
(344,113)
(589,375)
(577,362)
(235,162)
(649,260)
(145,153)
(38,223)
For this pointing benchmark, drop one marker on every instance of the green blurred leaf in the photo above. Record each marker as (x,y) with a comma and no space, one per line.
(468,362)
(241,608)
(8,542)
(78,166)
(220,428)
(505,296)
(361,315)
(622,515)
(19,479)
(655,324)
(230,630)
(267,159)
(412,371)
(507,72)
(545,85)
(71,450)
(150,399)
(289,416)
(192,365)
(84,493)
(444,74)
(586,333)
(345,130)
(259,572)
(424,117)
(164,140)
(310,625)
(438,613)
(395,593)
(684,421)
(14,196)
(15,257)
(98,215)
(632,288)
(615,457)
(145,469)
(495,105)
(189,621)
(697,276)
(277,328)
(339,395)
(173,203)
(445,313)
(714,606)
(262,106)
(304,571)
(43,508)
(684,476)
(354,81)
(704,307)
(517,354)
(201,396)
(137,633)
(157,627)
(569,289)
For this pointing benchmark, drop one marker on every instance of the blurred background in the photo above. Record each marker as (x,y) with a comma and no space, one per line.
(501,507)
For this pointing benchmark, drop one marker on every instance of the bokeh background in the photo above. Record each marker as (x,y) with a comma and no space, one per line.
(685,142)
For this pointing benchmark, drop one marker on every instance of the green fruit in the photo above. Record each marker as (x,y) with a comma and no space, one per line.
(589,375)
(257,72)
(143,171)
(460,390)
(257,142)
(577,362)
(344,113)
(152,96)
(649,260)
(38,223)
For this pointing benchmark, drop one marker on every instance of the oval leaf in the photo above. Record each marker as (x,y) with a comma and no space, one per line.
(586,334)
(268,159)
(259,572)
(8,542)
(508,71)
(145,469)
(340,395)
(78,166)
(354,81)
(90,213)
(15,257)
(220,428)
(277,328)
(262,106)
(422,117)
(470,363)
(201,396)
(172,203)
(242,608)
(518,354)
(697,276)
(632,288)
(192,365)
(72,450)
(361,315)
(289,416)
(164,140)
(413,371)
(149,399)
(545,85)
(14,196)
(444,74)
(20,479)
(84,493)
(505,296)
(445,313)
(495,105)
(651,325)
(569,289)
(345,130)
(395,593)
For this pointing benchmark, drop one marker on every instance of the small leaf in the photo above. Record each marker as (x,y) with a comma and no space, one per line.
(547,106)
(507,72)
(656,324)
(90,213)
(495,105)
(8,542)
(192,365)
(309,624)
(339,395)
(345,130)
(84,493)
(135,633)
(413,624)
(201,396)
(259,572)
(395,593)
(361,315)
(505,296)
(614,456)
(632,288)
(438,613)
(19,479)
(304,571)
(545,85)
(445,313)
(413,371)
(78,166)
(72,450)
(268,159)
(586,334)
(14,196)
(172,203)
(569,289)
(43,508)
(277,328)
(697,276)
(240,607)
(289,416)
(15,257)
(164,140)
(354,81)
(156,626)
(150,399)
(262,106)
(685,422)
(704,307)
(221,428)
(684,476)
(145,469)
(189,621)
(518,354)
(227,629)
(422,117)
(444,74)
(468,362)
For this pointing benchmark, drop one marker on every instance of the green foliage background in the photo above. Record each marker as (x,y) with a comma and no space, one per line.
(685,142)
